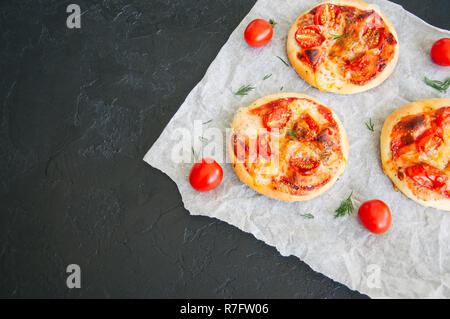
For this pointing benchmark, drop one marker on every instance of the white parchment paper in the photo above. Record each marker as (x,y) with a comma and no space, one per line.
(413,258)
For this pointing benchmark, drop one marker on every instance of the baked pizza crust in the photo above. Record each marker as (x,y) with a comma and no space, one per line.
(386,154)
(266,190)
(307,72)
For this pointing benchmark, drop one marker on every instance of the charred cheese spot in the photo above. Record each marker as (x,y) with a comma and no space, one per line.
(413,124)
(312,55)
(327,138)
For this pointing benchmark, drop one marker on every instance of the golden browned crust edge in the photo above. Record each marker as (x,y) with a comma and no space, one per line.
(242,173)
(385,141)
(307,73)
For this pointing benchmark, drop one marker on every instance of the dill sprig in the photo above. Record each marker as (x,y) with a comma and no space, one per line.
(281,59)
(438,85)
(292,132)
(202,139)
(267,76)
(346,207)
(243,90)
(195,155)
(369,125)
(338,36)
(207,122)
(308,216)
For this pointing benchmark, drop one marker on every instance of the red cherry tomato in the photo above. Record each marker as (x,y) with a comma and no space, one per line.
(304,166)
(359,64)
(205,175)
(427,176)
(258,33)
(374,37)
(277,118)
(309,36)
(440,52)
(429,142)
(375,216)
(443,116)
(326,14)
(312,124)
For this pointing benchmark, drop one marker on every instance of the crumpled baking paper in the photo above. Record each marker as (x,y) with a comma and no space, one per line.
(413,258)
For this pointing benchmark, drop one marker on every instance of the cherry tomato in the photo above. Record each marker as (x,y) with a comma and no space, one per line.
(326,13)
(375,216)
(258,33)
(374,37)
(313,126)
(365,68)
(427,176)
(399,143)
(327,114)
(309,36)
(429,142)
(359,63)
(440,52)
(304,166)
(373,21)
(205,175)
(277,118)
(443,116)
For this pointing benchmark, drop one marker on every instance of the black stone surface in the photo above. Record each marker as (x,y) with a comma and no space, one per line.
(79,109)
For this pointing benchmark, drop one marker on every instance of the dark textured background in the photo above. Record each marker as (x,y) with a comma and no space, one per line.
(79,109)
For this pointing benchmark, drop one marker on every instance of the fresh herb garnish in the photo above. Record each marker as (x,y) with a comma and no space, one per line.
(292,132)
(369,125)
(281,88)
(195,155)
(438,85)
(273,23)
(243,90)
(309,216)
(202,139)
(281,59)
(338,36)
(207,122)
(267,76)
(346,207)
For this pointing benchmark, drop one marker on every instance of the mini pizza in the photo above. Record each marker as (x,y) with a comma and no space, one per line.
(415,151)
(288,146)
(344,46)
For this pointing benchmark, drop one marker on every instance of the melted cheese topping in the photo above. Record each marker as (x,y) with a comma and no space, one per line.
(328,76)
